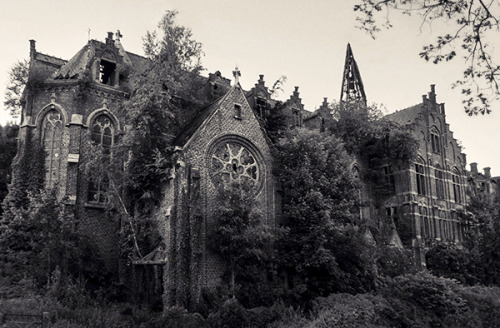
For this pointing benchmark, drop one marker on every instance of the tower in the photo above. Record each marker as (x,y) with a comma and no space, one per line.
(352,85)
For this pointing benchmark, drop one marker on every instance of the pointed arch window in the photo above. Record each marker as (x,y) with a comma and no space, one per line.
(52,128)
(355,172)
(102,134)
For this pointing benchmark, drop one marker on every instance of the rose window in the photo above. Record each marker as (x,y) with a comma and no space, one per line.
(232,162)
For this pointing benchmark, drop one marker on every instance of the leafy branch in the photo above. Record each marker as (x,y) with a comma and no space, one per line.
(472,22)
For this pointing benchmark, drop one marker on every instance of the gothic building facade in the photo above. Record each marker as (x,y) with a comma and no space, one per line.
(227,141)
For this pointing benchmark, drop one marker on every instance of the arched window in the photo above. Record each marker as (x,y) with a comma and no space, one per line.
(102,136)
(420,173)
(296,117)
(52,128)
(355,171)
(455,180)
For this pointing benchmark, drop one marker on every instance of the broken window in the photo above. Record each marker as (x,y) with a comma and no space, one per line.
(107,72)
(261,107)
(102,134)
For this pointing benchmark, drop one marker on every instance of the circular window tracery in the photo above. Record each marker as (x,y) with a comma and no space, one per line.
(233,162)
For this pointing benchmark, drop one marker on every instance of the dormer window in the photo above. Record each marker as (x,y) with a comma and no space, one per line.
(107,72)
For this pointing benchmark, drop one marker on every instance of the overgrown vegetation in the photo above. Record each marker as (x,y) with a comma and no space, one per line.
(476,260)
(317,269)
(8,150)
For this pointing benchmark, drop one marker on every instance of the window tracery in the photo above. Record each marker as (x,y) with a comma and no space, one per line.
(233,162)
(52,139)
(101,135)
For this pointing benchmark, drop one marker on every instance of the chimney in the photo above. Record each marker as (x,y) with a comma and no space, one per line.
(424,99)
(487,172)
(296,92)
(32,49)
(109,39)
(473,168)
(261,79)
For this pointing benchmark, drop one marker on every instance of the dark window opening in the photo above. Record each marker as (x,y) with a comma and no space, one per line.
(237,111)
(435,143)
(456,188)
(107,72)
(261,107)
(420,179)
(439,184)
(296,115)
(389,180)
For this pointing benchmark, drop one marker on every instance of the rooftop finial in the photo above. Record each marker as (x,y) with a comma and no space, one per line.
(236,74)
(118,35)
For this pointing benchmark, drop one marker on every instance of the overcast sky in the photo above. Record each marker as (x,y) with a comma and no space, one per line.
(303,40)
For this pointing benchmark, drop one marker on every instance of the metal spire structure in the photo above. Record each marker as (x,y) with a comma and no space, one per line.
(352,85)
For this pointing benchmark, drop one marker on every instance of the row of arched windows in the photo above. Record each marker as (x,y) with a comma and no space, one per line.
(102,134)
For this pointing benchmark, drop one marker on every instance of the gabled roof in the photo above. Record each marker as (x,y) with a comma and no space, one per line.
(50,60)
(407,115)
(76,65)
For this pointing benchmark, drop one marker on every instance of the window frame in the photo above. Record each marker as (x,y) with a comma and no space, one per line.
(53,155)
(96,189)
(420,178)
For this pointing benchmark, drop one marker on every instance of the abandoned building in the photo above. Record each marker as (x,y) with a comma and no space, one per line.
(226,142)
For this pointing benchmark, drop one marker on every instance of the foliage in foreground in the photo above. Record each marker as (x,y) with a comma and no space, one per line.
(476,260)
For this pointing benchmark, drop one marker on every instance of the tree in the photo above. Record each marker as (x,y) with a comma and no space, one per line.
(377,143)
(8,149)
(472,26)
(245,243)
(28,176)
(477,259)
(165,97)
(18,77)
(323,251)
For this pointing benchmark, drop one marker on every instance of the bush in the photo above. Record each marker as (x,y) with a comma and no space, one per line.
(424,300)
(452,261)
(393,261)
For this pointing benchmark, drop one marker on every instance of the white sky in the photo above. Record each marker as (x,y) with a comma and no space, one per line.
(303,40)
